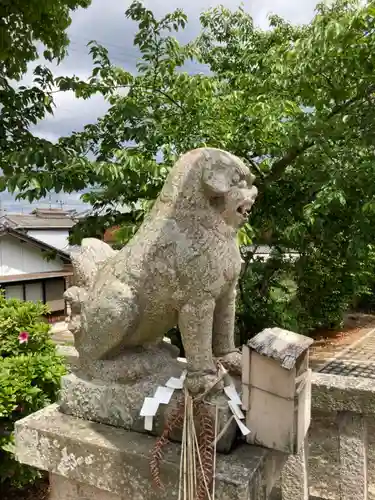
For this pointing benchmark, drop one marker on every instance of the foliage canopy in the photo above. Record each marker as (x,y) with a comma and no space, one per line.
(28,30)
(296,102)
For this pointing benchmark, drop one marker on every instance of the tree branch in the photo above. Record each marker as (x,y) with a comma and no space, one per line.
(255,167)
(279,166)
(248,258)
(113,87)
(169,98)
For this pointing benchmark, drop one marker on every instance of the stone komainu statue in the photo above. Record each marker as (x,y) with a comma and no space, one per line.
(181,268)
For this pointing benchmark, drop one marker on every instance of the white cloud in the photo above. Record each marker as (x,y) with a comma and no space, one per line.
(71,115)
(106,23)
(45,134)
(295,12)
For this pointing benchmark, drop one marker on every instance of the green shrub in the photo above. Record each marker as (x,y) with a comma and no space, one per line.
(364,300)
(30,372)
(267,297)
(308,294)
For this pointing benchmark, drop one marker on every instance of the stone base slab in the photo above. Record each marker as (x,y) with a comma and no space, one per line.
(62,488)
(106,463)
(334,393)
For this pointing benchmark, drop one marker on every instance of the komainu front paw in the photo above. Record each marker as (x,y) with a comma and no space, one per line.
(198,382)
(232,362)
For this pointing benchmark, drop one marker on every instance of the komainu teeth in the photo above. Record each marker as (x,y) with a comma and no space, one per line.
(244,209)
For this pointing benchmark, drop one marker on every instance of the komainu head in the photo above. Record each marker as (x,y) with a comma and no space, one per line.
(213,181)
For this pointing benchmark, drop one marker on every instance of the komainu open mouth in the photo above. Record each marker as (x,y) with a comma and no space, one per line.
(244,209)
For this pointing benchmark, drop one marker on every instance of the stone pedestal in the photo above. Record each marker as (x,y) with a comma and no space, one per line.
(339,441)
(113,394)
(67,489)
(120,404)
(353,456)
(92,461)
(294,476)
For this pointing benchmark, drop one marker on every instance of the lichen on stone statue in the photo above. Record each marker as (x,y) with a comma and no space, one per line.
(181,268)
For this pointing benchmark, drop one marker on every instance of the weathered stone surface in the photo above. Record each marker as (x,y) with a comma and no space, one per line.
(157,362)
(337,456)
(333,393)
(353,456)
(294,476)
(117,461)
(120,404)
(70,354)
(324,459)
(181,268)
(62,488)
(339,453)
(370,422)
(101,400)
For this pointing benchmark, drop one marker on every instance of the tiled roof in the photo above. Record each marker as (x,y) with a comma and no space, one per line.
(109,234)
(281,345)
(34,221)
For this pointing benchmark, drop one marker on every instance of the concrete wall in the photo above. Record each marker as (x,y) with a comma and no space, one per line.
(338,462)
(22,258)
(57,238)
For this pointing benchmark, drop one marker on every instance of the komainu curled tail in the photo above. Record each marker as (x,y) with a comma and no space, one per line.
(86,262)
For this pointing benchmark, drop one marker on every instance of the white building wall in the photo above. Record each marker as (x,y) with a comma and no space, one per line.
(57,238)
(21,258)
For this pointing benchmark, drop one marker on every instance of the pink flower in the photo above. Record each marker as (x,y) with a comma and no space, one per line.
(23,337)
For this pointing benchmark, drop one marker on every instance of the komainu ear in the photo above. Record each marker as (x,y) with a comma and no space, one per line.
(215,178)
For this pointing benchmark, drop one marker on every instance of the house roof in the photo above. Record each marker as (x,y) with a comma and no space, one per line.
(6,229)
(40,219)
(11,278)
(109,234)
(283,346)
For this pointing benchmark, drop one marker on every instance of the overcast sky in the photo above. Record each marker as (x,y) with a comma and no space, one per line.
(105,22)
